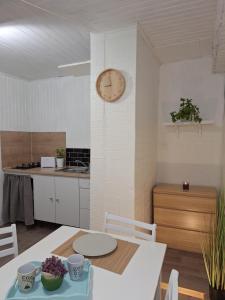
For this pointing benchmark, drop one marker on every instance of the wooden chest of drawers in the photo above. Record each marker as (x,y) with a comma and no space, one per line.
(183,218)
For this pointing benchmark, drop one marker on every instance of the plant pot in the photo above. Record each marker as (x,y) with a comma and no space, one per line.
(51,282)
(215,294)
(59,162)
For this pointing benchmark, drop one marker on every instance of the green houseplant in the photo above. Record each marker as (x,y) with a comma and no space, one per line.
(60,155)
(187,112)
(213,249)
(53,272)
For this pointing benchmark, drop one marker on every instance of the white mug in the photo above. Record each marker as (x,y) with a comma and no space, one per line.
(75,264)
(26,275)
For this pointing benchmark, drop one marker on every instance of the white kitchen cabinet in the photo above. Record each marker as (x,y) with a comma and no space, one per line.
(56,199)
(84,198)
(84,185)
(67,201)
(44,198)
(84,218)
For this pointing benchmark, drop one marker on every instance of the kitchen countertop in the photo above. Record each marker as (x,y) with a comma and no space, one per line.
(45,172)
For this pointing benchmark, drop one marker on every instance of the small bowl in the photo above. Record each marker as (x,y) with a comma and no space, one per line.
(51,282)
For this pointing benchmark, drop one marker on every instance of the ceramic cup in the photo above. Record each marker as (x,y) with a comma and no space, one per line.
(26,275)
(75,264)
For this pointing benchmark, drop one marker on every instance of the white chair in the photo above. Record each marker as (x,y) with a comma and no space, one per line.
(13,250)
(173,290)
(130,229)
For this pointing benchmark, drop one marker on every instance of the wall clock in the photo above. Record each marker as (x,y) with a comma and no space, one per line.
(110,85)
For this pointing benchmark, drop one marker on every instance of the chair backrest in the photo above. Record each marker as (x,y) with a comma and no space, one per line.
(172,290)
(12,250)
(128,227)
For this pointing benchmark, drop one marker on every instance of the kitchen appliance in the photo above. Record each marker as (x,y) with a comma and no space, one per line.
(30,165)
(48,162)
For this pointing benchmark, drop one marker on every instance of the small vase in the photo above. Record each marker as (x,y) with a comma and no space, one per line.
(59,162)
(51,282)
(215,294)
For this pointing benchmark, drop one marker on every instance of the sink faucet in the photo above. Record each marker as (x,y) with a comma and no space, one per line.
(77,161)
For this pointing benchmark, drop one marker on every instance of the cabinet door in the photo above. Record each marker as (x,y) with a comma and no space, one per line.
(84,208)
(84,183)
(84,218)
(67,201)
(44,198)
(85,198)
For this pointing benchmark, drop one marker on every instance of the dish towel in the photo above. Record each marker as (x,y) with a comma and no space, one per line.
(18,200)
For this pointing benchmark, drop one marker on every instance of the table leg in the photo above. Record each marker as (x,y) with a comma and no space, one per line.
(158,290)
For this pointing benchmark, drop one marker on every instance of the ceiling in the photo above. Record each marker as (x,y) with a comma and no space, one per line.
(219,38)
(38,35)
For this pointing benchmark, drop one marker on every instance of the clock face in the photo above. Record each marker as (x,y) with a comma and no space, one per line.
(110,85)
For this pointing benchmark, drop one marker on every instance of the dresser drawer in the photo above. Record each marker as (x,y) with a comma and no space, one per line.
(182,202)
(182,219)
(180,239)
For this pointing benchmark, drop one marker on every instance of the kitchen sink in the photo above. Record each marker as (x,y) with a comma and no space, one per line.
(76,169)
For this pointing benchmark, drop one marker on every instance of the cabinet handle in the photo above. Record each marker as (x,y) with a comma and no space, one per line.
(57,200)
(51,199)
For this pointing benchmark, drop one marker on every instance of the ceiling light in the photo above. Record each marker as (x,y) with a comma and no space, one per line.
(7,31)
(74,64)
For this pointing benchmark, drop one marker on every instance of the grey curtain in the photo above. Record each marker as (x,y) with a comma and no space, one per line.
(18,202)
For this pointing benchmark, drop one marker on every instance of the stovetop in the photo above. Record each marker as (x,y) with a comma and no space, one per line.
(30,165)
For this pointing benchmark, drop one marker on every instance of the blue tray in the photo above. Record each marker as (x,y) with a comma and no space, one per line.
(69,290)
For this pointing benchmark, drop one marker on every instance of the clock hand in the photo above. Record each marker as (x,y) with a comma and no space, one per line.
(107,85)
(109,78)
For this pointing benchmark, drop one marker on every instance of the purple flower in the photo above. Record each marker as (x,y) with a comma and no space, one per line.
(54,266)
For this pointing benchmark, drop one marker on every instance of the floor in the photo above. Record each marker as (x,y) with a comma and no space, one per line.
(192,274)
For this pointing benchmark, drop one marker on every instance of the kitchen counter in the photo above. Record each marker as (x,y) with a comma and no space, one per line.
(45,172)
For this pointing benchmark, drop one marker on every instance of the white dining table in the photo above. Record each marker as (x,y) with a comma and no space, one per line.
(139,281)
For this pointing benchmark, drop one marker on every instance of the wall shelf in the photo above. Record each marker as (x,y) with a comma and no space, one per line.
(182,124)
(196,126)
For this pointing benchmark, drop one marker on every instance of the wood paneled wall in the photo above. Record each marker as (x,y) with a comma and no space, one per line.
(15,148)
(20,147)
(45,144)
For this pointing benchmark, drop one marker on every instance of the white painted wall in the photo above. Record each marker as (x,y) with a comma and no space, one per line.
(13,103)
(1,186)
(113,128)
(190,156)
(124,133)
(147,86)
(13,112)
(56,104)
(223,148)
(62,104)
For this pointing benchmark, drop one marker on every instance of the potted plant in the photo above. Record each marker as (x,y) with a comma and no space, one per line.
(53,272)
(188,112)
(60,155)
(213,250)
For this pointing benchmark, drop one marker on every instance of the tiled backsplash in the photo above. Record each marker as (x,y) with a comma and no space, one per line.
(73,154)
